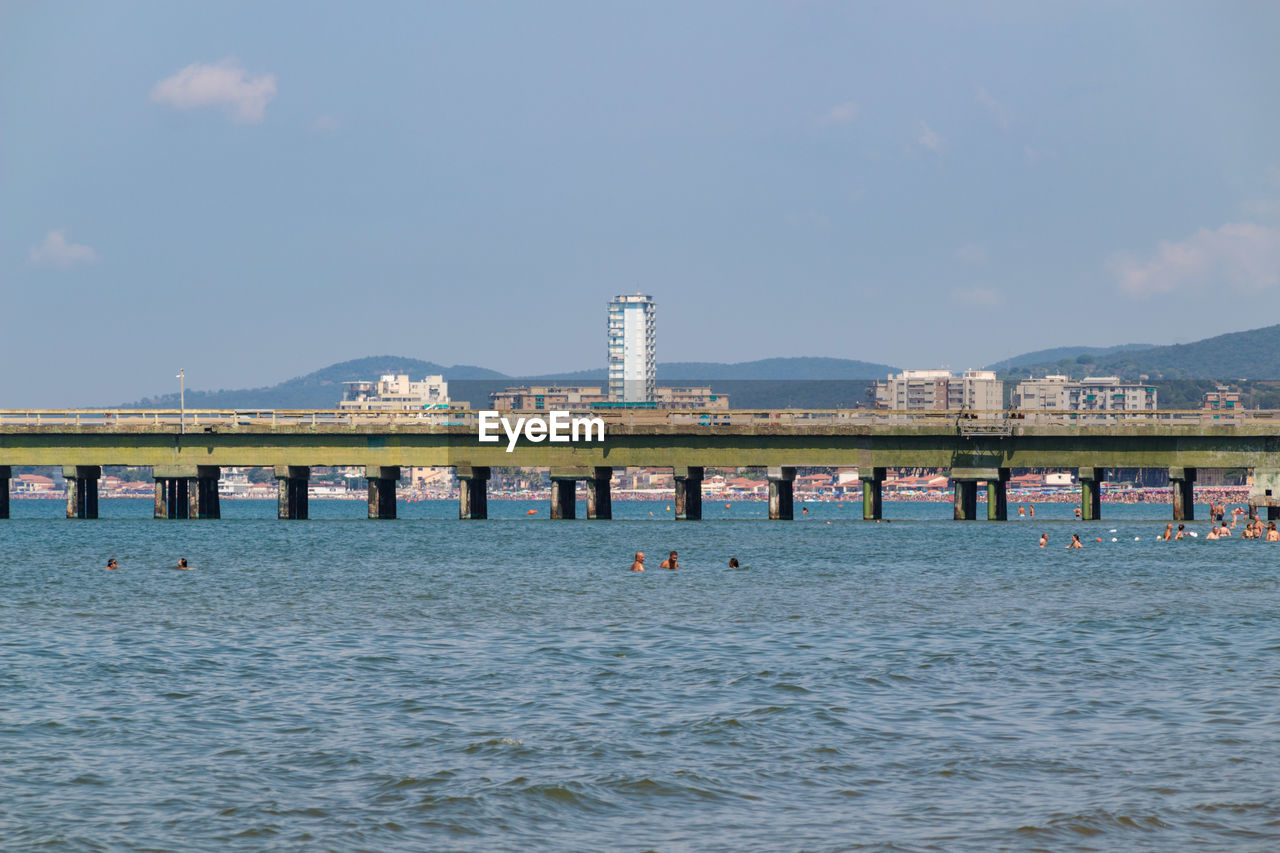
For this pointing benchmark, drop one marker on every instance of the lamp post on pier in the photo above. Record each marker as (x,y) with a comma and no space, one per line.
(182,400)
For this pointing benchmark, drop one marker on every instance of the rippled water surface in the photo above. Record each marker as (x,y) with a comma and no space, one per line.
(434,684)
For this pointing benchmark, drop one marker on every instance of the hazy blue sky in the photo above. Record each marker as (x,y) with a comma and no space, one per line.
(252,191)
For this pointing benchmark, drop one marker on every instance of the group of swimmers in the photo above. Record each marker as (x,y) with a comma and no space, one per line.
(182,564)
(1220,530)
(637,564)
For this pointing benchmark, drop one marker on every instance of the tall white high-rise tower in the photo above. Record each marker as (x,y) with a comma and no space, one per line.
(633,366)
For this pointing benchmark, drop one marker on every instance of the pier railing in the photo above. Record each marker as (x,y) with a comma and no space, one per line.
(967,422)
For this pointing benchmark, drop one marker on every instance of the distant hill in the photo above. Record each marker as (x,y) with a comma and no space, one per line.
(1254,354)
(1047,356)
(319,390)
(779,382)
(774,369)
(766,368)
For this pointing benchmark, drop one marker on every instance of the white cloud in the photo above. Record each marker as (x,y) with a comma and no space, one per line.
(55,251)
(982,297)
(839,114)
(326,124)
(929,138)
(1240,255)
(223,84)
(1002,114)
(1037,155)
(972,253)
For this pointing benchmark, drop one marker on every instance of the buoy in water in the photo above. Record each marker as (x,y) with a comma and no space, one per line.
(532,512)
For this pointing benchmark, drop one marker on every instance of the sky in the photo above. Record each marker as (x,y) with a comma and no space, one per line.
(252,191)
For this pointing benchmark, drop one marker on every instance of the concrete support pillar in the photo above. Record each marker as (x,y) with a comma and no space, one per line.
(292,496)
(1183,483)
(82,490)
(599,497)
(1091,492)
(689,493)
(872,480)
(5,474)
(997,496)
(965,502)
(564,497)
(473,491)
(382,489)
(205,501)
(187,491)
(782,493)
(179,497)
(1265,492)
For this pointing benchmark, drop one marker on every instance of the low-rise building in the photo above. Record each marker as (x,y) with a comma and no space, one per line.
(1091,394)
(537,398)
(533,398)
(940,390)
(690,397)
(1222,398)
(395,392)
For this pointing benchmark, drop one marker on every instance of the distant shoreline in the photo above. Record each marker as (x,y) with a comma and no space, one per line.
(1234,494)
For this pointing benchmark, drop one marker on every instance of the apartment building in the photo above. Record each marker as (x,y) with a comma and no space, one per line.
(940,390)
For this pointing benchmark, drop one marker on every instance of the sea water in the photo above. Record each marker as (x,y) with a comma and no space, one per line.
(431,684)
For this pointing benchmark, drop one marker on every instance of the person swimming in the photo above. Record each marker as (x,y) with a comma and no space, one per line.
(112,564)
(637,564)
(182,564)
(1075,542)
(733,562)
(1168,532)
(670,562)
(1044,539)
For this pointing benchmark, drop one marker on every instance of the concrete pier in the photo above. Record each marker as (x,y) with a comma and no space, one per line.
(5,474)
(599,496)
(1265,493)
(688,481)
(187,491)
(82,490)
(206,502)
(382,489)
(782,493)
(1183,483)
(965,501)
(473,491)
(872,480)
(172,498)
(564,496)
(998,496)
(292,500)
(1091,492)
